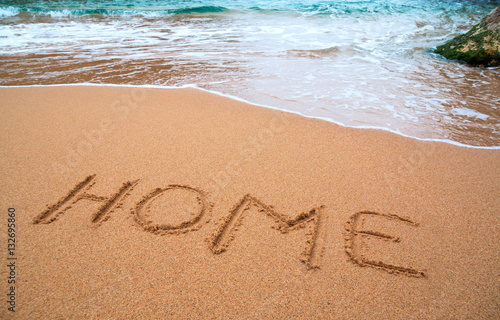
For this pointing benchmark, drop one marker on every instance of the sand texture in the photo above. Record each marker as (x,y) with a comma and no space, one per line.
(136,203)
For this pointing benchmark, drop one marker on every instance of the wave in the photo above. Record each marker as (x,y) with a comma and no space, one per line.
(24,11)
(202,9)
(67,8)
(354,8)
(8,12)
(11,11)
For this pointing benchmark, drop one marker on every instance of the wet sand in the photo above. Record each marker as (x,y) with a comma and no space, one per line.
(136,203)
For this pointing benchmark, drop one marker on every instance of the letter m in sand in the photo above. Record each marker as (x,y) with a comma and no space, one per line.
(311,256)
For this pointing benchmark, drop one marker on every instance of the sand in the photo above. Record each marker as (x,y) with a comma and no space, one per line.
(134,203)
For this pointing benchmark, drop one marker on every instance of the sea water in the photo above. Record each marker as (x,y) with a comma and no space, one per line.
(360,63)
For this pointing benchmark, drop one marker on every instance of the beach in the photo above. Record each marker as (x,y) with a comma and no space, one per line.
(366,64)
(147,203)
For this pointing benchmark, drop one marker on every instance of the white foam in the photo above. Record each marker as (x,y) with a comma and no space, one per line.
(8,12)
(59,14)
(470,113)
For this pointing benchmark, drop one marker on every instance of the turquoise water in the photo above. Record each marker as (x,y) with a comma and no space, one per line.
(309,7)
(358,63)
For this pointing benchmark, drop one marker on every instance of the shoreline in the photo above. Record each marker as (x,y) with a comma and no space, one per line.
(147,203)
(195,86)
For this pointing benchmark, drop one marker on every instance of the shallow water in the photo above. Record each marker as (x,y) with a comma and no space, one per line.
(359,63)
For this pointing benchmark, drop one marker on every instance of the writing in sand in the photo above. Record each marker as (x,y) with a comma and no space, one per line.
(225,232)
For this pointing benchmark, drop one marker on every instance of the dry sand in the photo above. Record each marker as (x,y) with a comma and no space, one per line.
(136,203)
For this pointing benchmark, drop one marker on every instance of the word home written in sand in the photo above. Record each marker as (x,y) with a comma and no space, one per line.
(227,228)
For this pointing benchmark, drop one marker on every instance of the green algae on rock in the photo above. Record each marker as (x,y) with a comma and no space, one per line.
(480,46)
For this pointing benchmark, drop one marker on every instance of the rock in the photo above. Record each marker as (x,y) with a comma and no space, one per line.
(480,46)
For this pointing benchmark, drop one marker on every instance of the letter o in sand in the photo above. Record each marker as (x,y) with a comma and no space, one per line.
(185,208)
